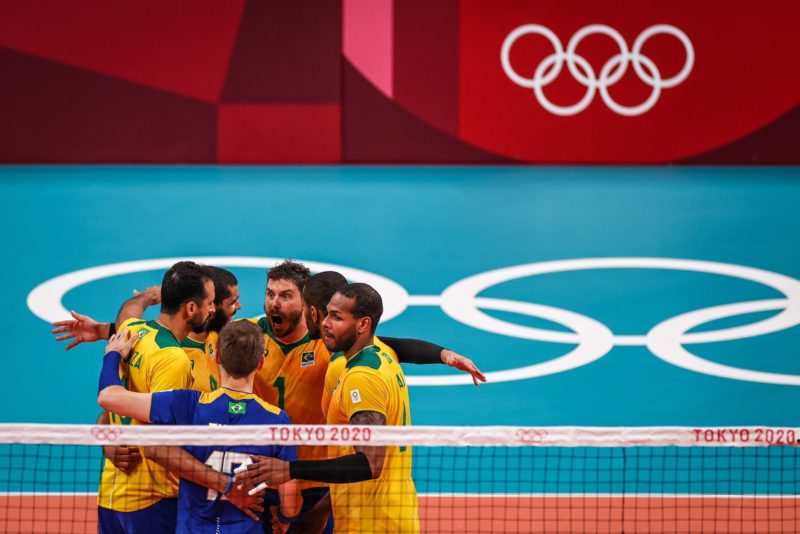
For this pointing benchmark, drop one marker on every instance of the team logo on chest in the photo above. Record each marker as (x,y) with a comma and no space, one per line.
(307,359)
(237,408)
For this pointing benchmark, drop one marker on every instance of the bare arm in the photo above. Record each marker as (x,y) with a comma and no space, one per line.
(122,457)
(291,500)
(375,455)
(314,520)
(136,305)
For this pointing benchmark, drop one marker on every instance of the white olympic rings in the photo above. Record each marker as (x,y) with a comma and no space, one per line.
(611,72)
(461,301)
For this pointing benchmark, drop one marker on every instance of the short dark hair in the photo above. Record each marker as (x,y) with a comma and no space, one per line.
(368,302)
(319,289)
(290,270)
(183,282)
(241,347)
(223,280)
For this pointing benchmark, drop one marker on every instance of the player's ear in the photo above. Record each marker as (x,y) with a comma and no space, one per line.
(260,364)
(190,307)
(364,325)
(216,358)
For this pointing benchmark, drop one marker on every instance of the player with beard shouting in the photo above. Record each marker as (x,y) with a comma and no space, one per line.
(296,362)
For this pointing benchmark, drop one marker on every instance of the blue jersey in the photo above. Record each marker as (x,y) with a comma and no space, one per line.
(199,509)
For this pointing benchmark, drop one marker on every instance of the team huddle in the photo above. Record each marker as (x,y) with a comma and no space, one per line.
(313,359)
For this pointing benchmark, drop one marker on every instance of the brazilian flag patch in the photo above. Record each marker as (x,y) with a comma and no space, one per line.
(307,359)
(237,408)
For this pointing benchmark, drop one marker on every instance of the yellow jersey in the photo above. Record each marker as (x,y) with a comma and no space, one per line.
(336,368)
(374,381)
(157,363)
(293,378)
(202,358)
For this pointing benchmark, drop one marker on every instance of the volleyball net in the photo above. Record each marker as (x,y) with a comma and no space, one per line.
(467,479)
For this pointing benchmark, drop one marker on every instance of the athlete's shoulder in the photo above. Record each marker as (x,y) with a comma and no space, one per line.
(384,347)
(268,408)
(367,358)
(158,336)
(208,397)
(189,343)
(131,323)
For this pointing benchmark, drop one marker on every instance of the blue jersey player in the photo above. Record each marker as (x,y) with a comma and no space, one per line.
(205,504)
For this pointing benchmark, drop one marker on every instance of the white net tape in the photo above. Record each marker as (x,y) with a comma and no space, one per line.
(433,436)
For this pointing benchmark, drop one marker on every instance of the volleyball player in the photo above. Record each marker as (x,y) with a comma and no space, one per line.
(144,498)
(371,487)
(241,349)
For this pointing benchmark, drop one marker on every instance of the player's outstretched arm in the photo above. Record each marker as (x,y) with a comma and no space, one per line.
(424,352)
(136,305)
(80,329)
(462,363)
(365,464)
(111,395)
(180,462)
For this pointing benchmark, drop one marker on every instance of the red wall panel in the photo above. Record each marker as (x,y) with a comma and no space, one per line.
(269,81)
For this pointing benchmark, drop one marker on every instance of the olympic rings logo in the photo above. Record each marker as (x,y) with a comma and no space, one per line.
(461,302)
(105,433)
(530,435)
(611,72)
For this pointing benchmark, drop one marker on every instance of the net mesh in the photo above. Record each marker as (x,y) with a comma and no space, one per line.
(467,479)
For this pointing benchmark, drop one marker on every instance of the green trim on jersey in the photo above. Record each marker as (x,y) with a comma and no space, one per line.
(192,344)
(135,323)
(263,324)
(288,348)
(366,357)
(164,336)
(337,355)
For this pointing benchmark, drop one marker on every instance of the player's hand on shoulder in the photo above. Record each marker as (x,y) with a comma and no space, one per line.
(122,457)
(122,342)
(81,329)
(462,363)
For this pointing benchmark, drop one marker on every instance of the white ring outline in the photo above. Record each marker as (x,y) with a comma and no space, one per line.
(576,39)
(687,46)
(45,299)
(509,41)
(595,341)
(555,109)
(630,111)
(455,300)
(590,81)
(664,340)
